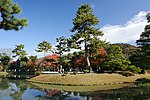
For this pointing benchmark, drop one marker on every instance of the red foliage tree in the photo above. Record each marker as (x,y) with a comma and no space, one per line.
(97,59)
(52,60)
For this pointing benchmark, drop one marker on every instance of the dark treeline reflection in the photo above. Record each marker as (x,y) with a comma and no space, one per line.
(22,90)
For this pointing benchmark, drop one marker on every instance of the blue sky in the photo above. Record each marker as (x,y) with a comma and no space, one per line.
(120,20)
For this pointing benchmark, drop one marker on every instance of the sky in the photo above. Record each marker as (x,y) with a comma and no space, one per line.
(121,21)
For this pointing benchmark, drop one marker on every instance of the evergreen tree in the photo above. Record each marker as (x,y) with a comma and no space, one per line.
(8,12)
(84,27)
(144,40)
(19,52)
(144,43)
(44,47)
(61,47)
(115,59)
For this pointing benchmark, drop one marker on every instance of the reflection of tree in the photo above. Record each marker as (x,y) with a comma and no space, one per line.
(50,92)
(53,94)
(22,86)
(127,93)
(16,88)
(17,95)
(4,84)
(132,93)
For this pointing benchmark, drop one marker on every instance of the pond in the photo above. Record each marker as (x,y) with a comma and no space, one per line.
(23,90)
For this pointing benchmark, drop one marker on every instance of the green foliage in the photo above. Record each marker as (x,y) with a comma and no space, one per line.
(38,72)
(1,67)
(23,64)
(126,73)
(134,69)
(141,59)
(33,58)
(128,49)
(86,71)
(144,40)
(44,47)
(25,59)
(8,12)
(84,27)
(5,60)
(115,59)
(96,44)
(4,84)
(18,51)
(62,45)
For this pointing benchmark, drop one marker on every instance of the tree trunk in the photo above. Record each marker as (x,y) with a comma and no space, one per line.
(60,59)
(44,53)
(87,57)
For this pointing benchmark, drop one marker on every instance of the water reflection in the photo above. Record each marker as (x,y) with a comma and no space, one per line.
(22,90)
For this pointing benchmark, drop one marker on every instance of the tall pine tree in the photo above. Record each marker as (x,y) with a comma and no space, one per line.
(84,30)
(144,43)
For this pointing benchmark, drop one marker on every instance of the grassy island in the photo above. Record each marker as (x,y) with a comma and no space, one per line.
(85,79)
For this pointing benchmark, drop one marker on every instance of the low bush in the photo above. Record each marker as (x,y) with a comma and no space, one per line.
(38,73)
(74,72)
(1,67)
(134,69)
(126,73)
(86,71)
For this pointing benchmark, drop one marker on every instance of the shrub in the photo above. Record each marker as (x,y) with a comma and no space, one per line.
(38,73)
(126,73)
(1,67)
(134,69)
(74,72)
(86,71)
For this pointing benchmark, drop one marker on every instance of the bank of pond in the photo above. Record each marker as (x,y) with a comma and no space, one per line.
(20,89)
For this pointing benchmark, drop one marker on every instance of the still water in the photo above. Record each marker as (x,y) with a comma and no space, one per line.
(22,90)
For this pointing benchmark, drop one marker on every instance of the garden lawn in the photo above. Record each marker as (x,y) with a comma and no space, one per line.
(85,79)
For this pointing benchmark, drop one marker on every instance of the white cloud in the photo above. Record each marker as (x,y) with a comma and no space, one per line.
(126,33)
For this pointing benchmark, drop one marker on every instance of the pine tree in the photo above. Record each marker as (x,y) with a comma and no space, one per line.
(61,47)
(8,12)
(19,52)
(44,47)
(144,43)
(84,27)
(144,40)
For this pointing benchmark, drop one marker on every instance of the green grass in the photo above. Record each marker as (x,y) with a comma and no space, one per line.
(85,79)
(3,73)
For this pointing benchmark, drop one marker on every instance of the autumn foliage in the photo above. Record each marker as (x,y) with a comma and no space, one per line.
(95,59)
(51,60)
